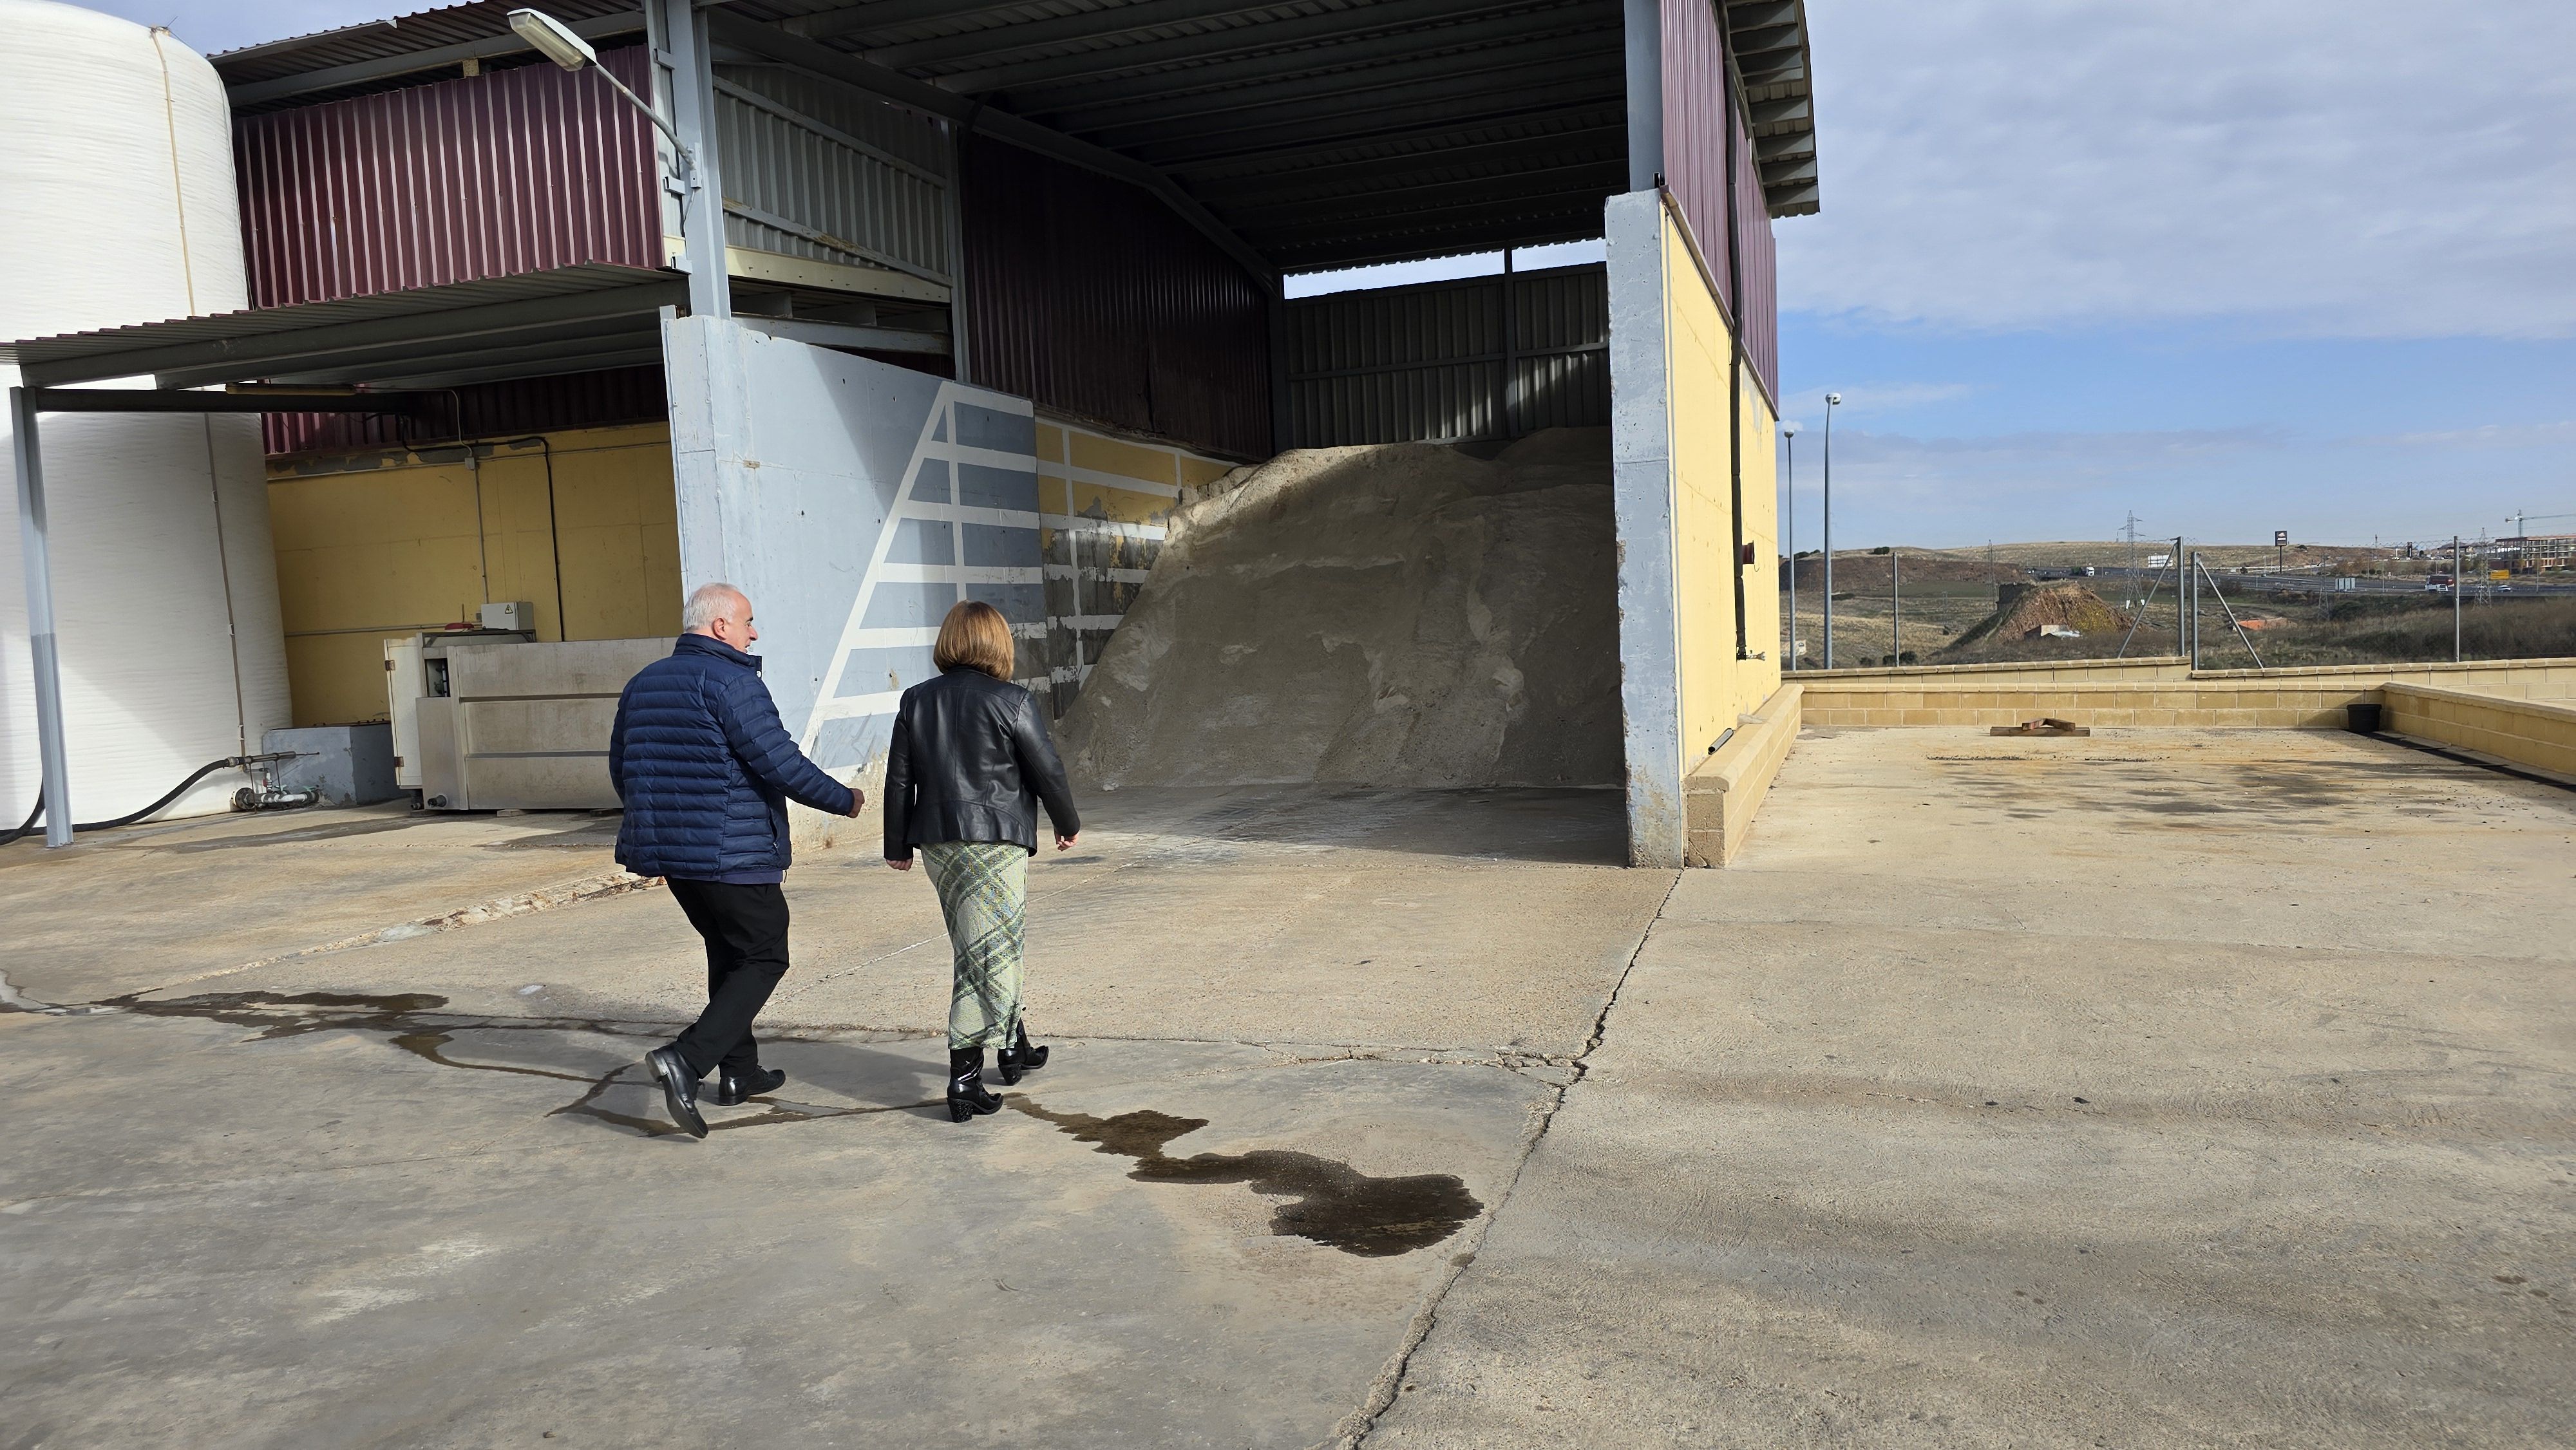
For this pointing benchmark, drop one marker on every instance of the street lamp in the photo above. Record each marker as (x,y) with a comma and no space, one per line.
(556,42)
(1832,401)
(1789,512)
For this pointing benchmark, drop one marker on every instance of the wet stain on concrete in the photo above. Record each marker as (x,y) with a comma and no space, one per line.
(1335,1205)
(398,1017)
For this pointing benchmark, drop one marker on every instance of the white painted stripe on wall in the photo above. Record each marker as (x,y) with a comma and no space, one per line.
(1077,524)
(971,514)
(1103,479)
(988,457)
(956,574)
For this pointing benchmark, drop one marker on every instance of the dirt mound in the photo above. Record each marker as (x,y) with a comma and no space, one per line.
(1394,615)
(2030,611)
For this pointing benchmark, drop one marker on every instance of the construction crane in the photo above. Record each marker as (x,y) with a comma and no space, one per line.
(2521,522)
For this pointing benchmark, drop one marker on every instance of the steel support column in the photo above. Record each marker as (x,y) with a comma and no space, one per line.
(1645,34)
(41,645)
(683,28)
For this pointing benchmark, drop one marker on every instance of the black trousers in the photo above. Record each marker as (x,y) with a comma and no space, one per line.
(746,933)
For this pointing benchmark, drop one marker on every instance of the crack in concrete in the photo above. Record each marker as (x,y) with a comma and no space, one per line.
(1356,1427)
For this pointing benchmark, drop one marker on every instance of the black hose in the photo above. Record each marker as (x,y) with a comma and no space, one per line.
(227,763)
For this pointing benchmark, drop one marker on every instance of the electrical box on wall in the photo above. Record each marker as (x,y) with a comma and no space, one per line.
(516,614)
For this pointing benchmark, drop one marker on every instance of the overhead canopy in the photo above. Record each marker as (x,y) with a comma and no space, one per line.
(571,319)
(1322,133)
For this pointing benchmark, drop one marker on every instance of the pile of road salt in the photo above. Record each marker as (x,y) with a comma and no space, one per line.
(1403,615)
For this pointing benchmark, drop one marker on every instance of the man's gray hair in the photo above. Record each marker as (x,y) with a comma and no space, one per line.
(707,604)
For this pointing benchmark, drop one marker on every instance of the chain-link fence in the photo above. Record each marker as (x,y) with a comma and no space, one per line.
(2226,606)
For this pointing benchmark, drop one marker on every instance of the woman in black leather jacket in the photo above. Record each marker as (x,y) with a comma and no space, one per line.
(969,761)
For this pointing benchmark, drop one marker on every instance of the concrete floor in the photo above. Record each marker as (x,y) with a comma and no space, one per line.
(417,1193)
(2162,1088)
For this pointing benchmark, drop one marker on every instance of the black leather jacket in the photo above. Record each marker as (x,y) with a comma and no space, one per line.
(969,761)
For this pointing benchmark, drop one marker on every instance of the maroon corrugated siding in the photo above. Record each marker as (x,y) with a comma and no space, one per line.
(486,410)
(1759,262)
(511,171)
(1091,297)
(1700,128)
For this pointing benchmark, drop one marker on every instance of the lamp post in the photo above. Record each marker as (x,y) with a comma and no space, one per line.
(1832,401)
(1789,513)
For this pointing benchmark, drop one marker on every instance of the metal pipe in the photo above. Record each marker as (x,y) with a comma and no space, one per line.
(1896,613)
(2455,599)
(1789,512)
(1830,400)
(42,647)
(2194,572)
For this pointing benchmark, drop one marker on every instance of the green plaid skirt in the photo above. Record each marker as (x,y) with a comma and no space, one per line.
(984,893)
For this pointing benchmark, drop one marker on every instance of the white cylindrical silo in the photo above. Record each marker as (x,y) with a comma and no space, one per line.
(117,206)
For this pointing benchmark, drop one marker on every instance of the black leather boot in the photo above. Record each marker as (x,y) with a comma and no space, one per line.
(966,1095)
(1019,1059)
(734,1089)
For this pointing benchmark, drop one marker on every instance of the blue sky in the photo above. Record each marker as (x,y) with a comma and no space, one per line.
(2236,265)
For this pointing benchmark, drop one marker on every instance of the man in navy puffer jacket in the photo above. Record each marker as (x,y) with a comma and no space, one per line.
(706,770)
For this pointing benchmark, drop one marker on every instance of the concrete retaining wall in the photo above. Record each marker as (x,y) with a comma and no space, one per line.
(1722,796)
(2532,733)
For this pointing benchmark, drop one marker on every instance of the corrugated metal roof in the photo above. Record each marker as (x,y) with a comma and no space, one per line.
(1324,133)
(564,320)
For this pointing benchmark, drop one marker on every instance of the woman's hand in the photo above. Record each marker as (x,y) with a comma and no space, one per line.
(903,865)
(1064,842)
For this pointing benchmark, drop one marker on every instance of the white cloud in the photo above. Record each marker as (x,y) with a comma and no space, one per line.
(2365,169)
(2491,435)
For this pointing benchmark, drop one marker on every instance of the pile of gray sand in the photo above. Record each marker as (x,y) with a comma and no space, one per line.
(1402,615)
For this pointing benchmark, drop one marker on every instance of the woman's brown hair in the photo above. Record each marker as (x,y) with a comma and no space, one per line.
(977,636)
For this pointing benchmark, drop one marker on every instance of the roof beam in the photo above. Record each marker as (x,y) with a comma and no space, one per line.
(259,93)
(891,14)
(903,90)
(1397,203)
(1000,40)
(1476,100)
(1335,37)
(1446,137)
(1577,219)
(1387,60)
(1524,154)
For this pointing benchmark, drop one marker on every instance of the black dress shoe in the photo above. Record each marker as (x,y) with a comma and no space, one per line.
(732,1089)
(967,1097)
(679,1088)
(1020,1059)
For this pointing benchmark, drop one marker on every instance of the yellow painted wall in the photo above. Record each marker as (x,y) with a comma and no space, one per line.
(391,541)
(1717,688)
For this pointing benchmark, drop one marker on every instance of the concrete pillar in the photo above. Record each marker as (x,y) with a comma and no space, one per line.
(1641,471)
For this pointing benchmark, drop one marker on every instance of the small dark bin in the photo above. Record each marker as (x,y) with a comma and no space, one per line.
(2361,718)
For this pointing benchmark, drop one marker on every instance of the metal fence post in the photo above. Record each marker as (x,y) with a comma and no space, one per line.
(2455,599)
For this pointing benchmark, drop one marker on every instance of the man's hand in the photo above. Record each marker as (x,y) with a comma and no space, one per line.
(1064,842)
(858,801)
(903,865)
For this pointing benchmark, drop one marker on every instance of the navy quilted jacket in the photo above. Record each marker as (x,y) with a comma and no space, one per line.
(706,769)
